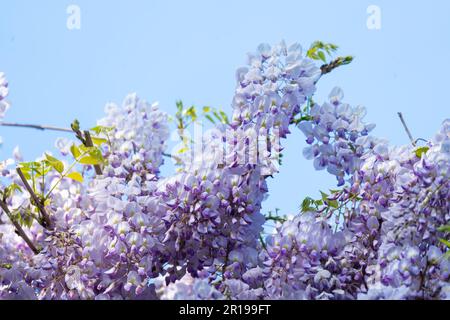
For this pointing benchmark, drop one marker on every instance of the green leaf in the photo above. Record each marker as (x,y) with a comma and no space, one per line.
(38,168)
(75,125)
(24,217)
(29,166)
(444,228)
(318,202)
(420,151)
(207,116)
(26,169)
(333,47)
(55,163)
(224,117)
(322,57)
(183,150)
(96,129)
(312,54)
(50,158)
(9,190)
(306,204)
(25,165)
(446,242)
(75,176)
(347,60)
(89,160)
(217,115)
(98,141)
(75,151)
(84,149)
(206,109)
(27,175)
(191,112)
(100,129)
(179,106)
(96,154)
(324,195)
(333,203)
(15,187)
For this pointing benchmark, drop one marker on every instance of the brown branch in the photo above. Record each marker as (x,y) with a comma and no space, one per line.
(340,61)
(34,126)
(19,229)
(89,143)
(413,142)
(47,221)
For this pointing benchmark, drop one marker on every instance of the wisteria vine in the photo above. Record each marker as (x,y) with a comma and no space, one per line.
(104,223)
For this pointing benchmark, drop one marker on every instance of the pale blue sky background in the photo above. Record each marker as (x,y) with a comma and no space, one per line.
(189,50)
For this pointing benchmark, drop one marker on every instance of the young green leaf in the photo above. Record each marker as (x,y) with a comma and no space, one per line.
(89,160)
(322,57)
(101,129)
(75,176)
(192,113)
(75,125)
(207,116)
(55,163)
(324,195)
(333,203)
(9,190)
(420,151)
(444,228)
(446,242)
(98,141)
(224,117)
(183,150)
(75,151)
(96,154)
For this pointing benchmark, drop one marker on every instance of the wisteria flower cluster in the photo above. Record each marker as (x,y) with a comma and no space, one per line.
(104,223)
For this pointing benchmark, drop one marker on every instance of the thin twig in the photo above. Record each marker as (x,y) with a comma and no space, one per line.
(89,143)
(52,128)
(168,155)
(413,142)
(339,61)
(48,222)
(19,229)
(275,218)
(34,126)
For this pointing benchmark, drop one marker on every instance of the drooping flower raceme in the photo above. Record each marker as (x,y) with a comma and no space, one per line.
(413,204)
(122,229)
(213,207)
(337,136)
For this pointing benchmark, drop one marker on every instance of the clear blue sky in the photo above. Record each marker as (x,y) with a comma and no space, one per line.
(189,50)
